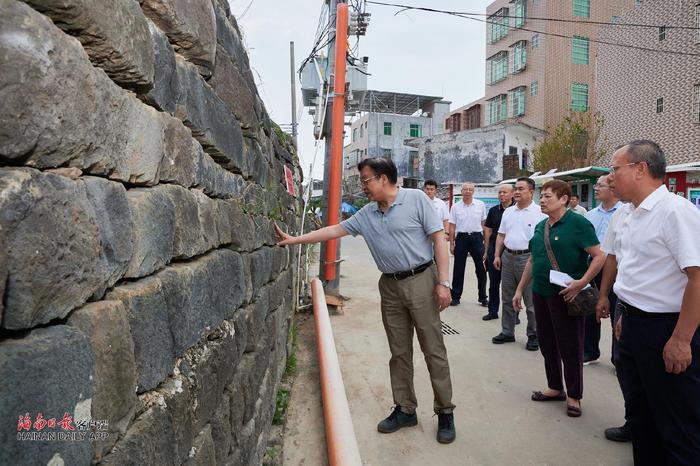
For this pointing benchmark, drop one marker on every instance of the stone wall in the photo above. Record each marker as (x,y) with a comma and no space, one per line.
(143,297)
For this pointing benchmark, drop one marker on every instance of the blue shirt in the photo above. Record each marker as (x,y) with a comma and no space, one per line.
(600,218)
(399,239)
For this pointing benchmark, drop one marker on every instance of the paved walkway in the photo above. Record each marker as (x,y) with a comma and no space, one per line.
(496,422)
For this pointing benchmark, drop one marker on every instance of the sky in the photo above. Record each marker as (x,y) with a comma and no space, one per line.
(412,51)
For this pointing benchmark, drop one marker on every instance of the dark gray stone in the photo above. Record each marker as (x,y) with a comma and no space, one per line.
(238,93)
(48,372)
(243,234)
(256,163)
(224,222)
(207,211)
(163,94)
(190,27)
(188,238)
(69,114)
(54,256)
(114,371)
(203,452)
(228,36)
(153,216)
(115,36)
(179,164)
(147,313)
(221,428)
(214,180)
(3,267)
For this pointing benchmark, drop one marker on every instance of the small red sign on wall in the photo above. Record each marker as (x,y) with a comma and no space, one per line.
(289,178)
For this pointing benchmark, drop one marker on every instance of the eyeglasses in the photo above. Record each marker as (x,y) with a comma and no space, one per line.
(614,169)
(600,186)
(367,180)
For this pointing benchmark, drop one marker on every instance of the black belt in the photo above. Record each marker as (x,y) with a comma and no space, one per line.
(629,310)
(469,233)
(409,273)
(518,252)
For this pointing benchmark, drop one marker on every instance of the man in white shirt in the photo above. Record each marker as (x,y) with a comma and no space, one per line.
(467,238)
(430,188)
(658,287)
(512,252)
(575,206)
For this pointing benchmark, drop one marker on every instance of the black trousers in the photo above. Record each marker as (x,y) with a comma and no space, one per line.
(591,343)
(663,409)
(473,245)
(494,281)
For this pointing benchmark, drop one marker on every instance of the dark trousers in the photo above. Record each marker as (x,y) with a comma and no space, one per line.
(561,342)
(663,409)
(591,344)
(494,281)
(468,244)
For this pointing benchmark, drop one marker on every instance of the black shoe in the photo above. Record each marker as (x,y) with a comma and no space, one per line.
(619,434)
(589,359)
(532,343)
(484,302)
(501,338)
(517,320)
(446,428)
(454,302)
(490,317)
(396,420)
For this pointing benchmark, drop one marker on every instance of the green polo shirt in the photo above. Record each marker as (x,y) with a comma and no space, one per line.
(569,238)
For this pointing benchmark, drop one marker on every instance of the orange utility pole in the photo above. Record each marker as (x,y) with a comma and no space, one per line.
(337,128)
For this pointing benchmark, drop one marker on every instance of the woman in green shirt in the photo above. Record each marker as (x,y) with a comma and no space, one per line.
(572,239)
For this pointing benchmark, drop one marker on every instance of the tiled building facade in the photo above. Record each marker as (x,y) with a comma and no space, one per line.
(653,95)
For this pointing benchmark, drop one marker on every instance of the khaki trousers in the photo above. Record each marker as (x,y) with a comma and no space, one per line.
(409,304)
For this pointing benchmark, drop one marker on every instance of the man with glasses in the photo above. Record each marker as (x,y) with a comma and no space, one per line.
(406,239)
(600,218)
(658,290)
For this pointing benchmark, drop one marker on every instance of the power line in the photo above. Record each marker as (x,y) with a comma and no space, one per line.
(544,33)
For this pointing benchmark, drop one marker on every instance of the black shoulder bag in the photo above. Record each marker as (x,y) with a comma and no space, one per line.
(584,303)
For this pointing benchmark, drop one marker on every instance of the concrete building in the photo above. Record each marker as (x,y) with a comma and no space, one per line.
(654,95)
(537,70)
(387,119)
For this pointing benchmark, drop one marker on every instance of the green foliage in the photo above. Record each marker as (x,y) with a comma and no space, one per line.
(281,407)
(281,135)
(291,367)
(576,142)
(361,202)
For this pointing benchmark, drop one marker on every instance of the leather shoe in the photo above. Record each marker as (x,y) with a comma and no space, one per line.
(446,428)
(501,338)
(396,420)
(539,396)
(619,434)
(454,302)
(532,343)
(490,317)
(517,320)
(484,302)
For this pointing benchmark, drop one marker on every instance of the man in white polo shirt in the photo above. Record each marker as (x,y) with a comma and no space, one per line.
(658,287)
(467,238)
(430,188)
(512,252)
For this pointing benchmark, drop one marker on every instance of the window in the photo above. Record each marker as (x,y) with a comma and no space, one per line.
(579,97)
(497,109)
(614,19)
(524,159)
(498,25)
(354,134)
(520,13)
(497,67)
(519,54)
(517,101)
(415,131)
(582,8)
(659,105)
(579,50)
(413,163)
(386,153)
(662,33)
(534,88)
(696,103)
(387,128)
(361,129)
(535,41)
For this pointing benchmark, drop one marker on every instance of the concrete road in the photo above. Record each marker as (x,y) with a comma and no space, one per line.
(496,422)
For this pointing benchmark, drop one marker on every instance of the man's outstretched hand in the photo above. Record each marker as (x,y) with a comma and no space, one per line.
(283,239)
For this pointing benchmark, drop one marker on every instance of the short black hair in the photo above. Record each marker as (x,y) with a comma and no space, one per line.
(645,150)
(430,183)
(529,181)
(575,196)
(380,166)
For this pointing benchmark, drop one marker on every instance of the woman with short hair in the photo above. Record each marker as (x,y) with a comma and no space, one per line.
(572,239)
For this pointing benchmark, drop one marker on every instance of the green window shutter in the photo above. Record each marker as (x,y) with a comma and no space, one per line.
(579,97)
(387,128)
(520,13)
(580,50)
(415,131)
(582,8)
(517,102)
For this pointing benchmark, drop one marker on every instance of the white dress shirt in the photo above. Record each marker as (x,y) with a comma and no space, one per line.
(579,209)
(658,240)
(468,217)
(611,242)
(518,225)
(441,209)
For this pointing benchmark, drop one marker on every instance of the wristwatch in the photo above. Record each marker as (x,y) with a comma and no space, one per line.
(446,284)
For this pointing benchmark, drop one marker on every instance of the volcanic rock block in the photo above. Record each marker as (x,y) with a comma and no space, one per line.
(147,313)
(188,239)
(203,453)
(56,110)
(114,34)
(58,252)
(114,373)
(163,94)
(235,90)
(153,216)
(190,26)
(179,164)
(46,372)
(221,428)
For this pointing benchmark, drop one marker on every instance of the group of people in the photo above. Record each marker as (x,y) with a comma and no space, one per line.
(636,248)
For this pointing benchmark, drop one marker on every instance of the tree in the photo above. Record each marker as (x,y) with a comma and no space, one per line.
(576,142)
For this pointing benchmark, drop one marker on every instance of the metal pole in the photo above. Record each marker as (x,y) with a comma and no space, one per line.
(294,93)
